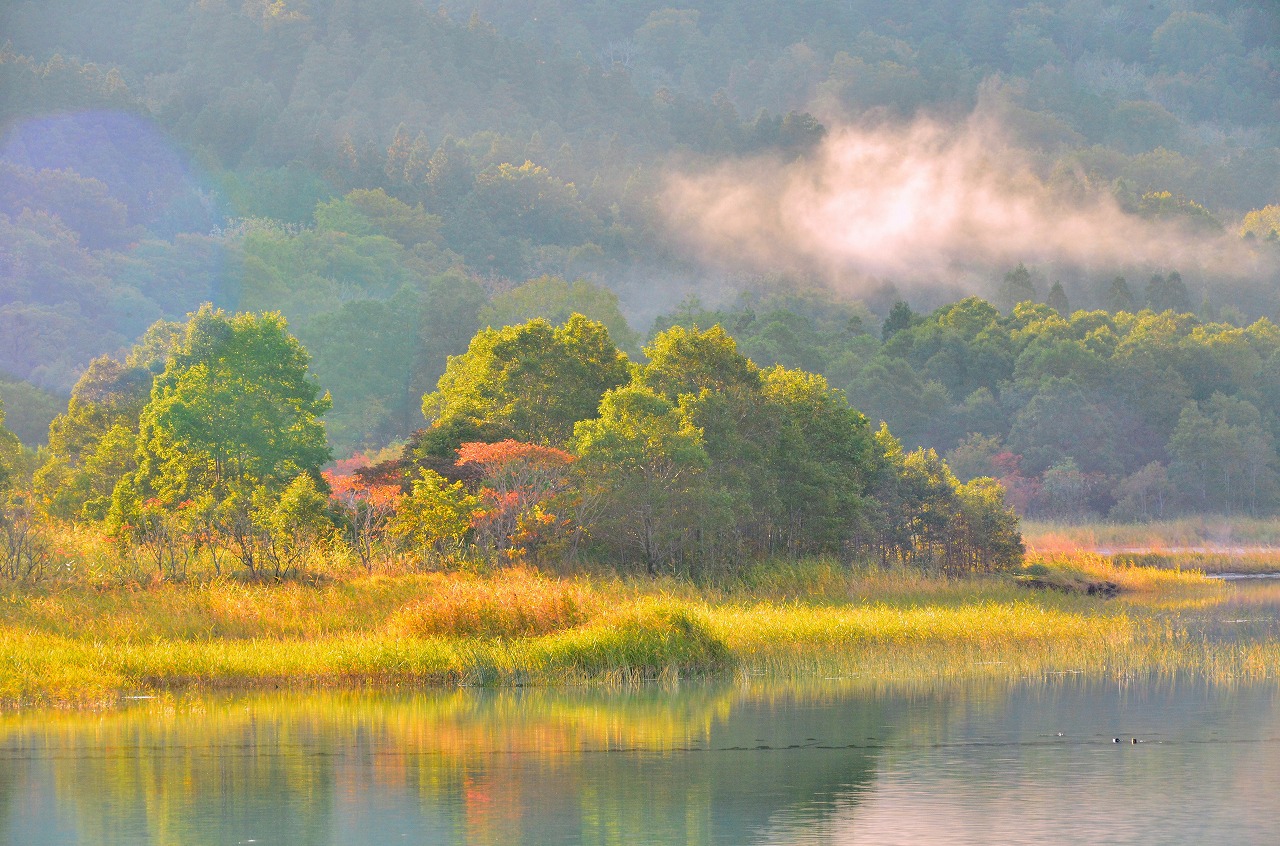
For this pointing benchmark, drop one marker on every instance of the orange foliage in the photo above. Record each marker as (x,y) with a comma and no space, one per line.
(366,510)
(506,456)
(352,491)
(520,479)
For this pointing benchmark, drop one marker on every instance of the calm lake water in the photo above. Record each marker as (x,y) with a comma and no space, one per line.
(830,761)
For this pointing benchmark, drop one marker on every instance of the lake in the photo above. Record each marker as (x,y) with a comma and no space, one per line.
(768,761)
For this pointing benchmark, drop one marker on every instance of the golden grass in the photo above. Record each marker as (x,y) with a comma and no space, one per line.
(80,644)
(1204,533)
(1129,576)
(523,603)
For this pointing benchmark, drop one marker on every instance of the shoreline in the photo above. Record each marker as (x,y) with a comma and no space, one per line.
(88,647)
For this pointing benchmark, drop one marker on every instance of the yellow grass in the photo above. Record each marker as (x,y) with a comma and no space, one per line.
(80,644)
(1235,534)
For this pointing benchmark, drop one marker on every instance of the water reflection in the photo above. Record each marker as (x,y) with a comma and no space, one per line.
(829,761)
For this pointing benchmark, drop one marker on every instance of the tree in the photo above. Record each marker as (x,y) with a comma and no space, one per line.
(974,456)
(641,463)
(1018,286)
(1064,490)
(1223,456)
(556,301)
(1187,41)
(10,451)
(900,317)
(531,382)
(690,361)
(1165,293)
(292,525)
(235,410)
(365,509)
(436,516)
(1058,300)
(1142,495)
(1262,224)
(823,461)
(1119,297)
(92,444)
(986,529)
(365,212)
(520,481)
(722,391)
(363,352)
(925,517)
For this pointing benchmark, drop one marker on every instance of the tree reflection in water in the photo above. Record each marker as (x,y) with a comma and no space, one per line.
(828,761)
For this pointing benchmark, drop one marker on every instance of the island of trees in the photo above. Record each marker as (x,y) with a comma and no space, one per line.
(204,448)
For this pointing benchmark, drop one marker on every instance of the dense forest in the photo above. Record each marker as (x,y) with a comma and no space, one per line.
(394,177)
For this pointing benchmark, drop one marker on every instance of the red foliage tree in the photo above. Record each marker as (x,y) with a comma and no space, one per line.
(365,509)
(519,480)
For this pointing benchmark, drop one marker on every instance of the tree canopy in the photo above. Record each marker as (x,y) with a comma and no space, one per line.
(531,382)
(235,407)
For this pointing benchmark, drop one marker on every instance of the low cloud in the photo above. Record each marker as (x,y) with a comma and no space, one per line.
(925,205)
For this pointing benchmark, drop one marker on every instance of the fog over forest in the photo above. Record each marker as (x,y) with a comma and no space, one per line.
(832,182)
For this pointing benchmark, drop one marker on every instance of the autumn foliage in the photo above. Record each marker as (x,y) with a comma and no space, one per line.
(519,483)
(365,510)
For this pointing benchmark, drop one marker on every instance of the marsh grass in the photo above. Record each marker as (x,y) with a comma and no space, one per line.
(1223,536)
(523,603)
(85,644)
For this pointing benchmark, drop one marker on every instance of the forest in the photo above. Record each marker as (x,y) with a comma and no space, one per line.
(399,183)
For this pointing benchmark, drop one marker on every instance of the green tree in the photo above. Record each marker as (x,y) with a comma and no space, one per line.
(640,472)
(985,535)
(1143,494)
(1165,293)
(374,212)
(363,352)
(1223,456)
(723,393)
(1187,41)
(900,317)
(823,461)
(10,452)
(92,444)
(435,518)
(1018,286)
(531,382)
(1119,296)
(556,300)
(1058,300)
(293,525)
(234,410)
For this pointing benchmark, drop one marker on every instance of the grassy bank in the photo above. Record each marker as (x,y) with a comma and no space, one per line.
(1209,544)
(84,645)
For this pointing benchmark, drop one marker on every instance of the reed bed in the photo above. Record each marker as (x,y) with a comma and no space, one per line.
(1223,536)
(85,645)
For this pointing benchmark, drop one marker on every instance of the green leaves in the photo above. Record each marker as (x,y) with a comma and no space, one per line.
(235,406)
(530,382)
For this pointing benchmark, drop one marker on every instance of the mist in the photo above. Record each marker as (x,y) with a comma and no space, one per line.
(927,206)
